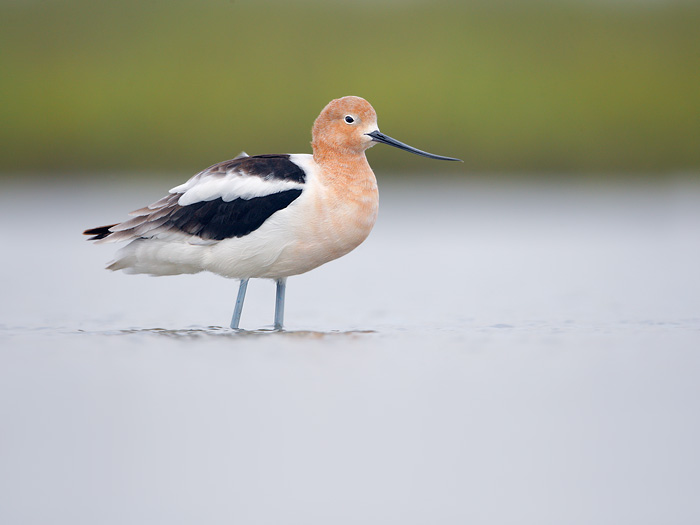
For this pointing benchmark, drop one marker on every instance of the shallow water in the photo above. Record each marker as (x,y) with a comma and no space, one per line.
(494,353)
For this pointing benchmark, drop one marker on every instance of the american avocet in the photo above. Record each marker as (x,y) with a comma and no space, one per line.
(265,216)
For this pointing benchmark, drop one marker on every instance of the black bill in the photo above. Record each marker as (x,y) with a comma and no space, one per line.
(384,139)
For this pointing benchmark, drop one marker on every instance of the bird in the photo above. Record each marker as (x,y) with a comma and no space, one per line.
(264,216)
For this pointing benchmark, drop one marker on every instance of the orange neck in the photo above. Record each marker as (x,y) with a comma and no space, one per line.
(348,167)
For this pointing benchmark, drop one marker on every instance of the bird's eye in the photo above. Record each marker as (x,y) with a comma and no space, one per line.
(349,119)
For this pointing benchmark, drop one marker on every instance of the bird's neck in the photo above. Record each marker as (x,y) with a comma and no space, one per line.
(349,168)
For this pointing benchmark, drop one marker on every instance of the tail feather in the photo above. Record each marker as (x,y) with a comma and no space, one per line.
(99,233)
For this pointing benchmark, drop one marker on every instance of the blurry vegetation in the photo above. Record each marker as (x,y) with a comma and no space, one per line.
(507,86)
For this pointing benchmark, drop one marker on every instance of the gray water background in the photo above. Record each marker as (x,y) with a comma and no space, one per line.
(496,352)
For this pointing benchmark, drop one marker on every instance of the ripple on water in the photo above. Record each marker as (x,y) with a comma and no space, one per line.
(222,332)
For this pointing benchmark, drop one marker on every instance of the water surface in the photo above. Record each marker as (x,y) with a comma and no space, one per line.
(494,353)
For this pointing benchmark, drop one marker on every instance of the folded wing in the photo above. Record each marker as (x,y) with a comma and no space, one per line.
(229,199)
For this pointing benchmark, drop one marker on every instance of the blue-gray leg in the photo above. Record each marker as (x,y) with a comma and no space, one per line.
(236,319)
(279,303)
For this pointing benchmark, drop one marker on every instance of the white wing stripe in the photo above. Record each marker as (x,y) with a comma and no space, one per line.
(232,187)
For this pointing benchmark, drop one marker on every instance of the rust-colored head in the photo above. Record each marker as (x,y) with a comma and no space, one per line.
(348,126)
(343,125)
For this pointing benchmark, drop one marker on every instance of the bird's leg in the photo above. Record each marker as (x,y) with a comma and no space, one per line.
(236,319)
(279,303)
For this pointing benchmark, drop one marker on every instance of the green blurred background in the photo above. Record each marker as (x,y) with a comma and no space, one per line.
(92,87)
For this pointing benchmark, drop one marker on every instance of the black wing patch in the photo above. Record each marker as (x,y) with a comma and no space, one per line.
(263,166)
(217,219)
